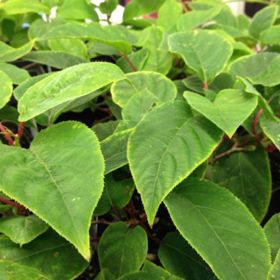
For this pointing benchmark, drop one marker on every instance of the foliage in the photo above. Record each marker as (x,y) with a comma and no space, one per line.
(139,150)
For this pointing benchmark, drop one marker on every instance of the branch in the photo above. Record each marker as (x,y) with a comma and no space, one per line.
(127,59)
(6,134)
(12,203)
(255,124)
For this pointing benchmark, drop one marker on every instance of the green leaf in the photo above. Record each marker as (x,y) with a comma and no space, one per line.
(157,271)
(75,47)
(274,272)
(49,254)
(53,173)
(17,75)
(246,175)
(8,53)
(22,230)
(141,275)
(271,128)
(108,6)
(114,35)
(228,111)
(104,130)
(15,7)
(114,150)
(221,229)
(272,231)
(66,85)
(157,84)
(174,143)
(261,68)
(56,59)
(206,52)
(13,271)
(263,19)
(193,19)
(178,257)
(121,249)
(169,14)
(6,89)
(271,36)
(141,7)
(77,9)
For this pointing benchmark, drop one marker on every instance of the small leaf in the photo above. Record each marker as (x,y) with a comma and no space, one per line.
(114,150)
(53,173)
(228,111)
(174,143)
(14,271)
(66,85)
(274,272)
(246,175)
(121,249)
(8,53)
(22,230)
(178,257)
(157,84)
(49,254)
(221,229)
(272,231)
(263,19)
(206,52)
(271,128)
(157,271)
(6,89)
(262,68)
(271,36)
(108,6)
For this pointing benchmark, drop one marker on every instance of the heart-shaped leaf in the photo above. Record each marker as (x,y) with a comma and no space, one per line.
(60,179)
(174,143)
(206,52)
(221,229)
(66,85)
(228,111)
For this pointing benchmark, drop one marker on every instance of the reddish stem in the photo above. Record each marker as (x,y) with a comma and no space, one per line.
(6,134)
(130,63)
(20,129)
(10,202)
(255,124)
(205,86)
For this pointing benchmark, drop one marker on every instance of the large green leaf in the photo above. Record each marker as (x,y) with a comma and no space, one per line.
(221,229)
(66,85)
(63,168)
(274,273)
(157,84)
(174,143)
(228,111)
(178,257)
(14,271)
(22,230)
(116,36)
(262,68)
(15,7)
(6,89)
(8,53)
(49,254)
(271,128)
(272,231)
(263,19)
(206,52)
(77,9)
(56,59)
(121,249)
(246,175)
